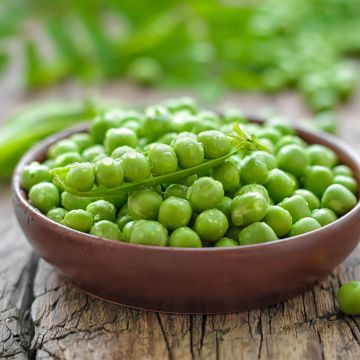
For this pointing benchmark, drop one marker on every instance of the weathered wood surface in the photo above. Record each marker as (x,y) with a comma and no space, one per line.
(42,316)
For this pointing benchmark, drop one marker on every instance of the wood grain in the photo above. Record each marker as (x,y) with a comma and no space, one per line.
(42,316)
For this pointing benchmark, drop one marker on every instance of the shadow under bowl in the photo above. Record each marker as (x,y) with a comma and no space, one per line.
(191,281)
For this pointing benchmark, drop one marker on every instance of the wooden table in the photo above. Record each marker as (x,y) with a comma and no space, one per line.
(43,316)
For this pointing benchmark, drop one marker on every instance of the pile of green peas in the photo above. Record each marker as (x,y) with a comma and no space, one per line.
(251,197)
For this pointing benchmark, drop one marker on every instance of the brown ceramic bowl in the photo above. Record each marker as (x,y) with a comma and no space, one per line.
(177,280)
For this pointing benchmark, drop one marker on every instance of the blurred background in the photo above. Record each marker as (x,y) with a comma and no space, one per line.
(296,57)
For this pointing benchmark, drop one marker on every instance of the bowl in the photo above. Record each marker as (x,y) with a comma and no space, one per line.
(191,281)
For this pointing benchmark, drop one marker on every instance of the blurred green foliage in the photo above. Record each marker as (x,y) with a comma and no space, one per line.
(209,45)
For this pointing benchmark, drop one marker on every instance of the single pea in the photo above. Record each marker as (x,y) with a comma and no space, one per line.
(79,220)
(147,232)
(72,202)
(106,229)
(317,179)
(321,155)
(157,122)
(189,152)
(293,159)
(256,233)
(185,103)
(342,170)
(216,144)
(93,152)
(33,174)
(120,151)
(297,206)
(280,125)
(228,174)
(348,298)
(163,159)
(136,166)
(280,185)
(176,190)
(102,210)
(269,133)
(324,216)
(303,226)
(347,181)
(233,232)
(101,124)
(44,196)
(257,188)
(109,172)
(248,208)
(57,214)
(267,158)
(144,204)
(81,177)
(205,193)
(338,199)
(311,199)
(82,140)
(62,147)
(127,230)
(68,159)
(185,237)
(288,140)
(123,220)
(211,225)
(225,206)
(279,219)
(254,170)
(174,213)
(226,242)
(119,137)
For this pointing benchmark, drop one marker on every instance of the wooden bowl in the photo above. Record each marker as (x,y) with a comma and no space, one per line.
(196,281)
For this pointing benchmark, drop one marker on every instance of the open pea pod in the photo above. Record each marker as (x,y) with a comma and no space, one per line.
(242,141)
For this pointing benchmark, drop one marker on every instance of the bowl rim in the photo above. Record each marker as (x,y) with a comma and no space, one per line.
(333,142)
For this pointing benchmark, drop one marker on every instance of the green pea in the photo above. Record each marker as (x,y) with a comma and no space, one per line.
(267,158)
(72,202)
(293,159)
(123,220)
(119,137)
(342,170)
(303,226)
(311,199)
(120,151)
(176,190)
(127,230)
(347,181)
(280,125)
(269,133)
(174,213)
(100,125)
(102,210)
(81,177)
(280,185)
(216,144)
(205,193)
(321,155)
(82,140)
(338,199)
(57,214)
(297,206)
(144,204)
(62,147)
(348,298)
(228,174)
(147,232)
(33,174)
(254,188)
(157,122)
(136,166)
(67,159)
(317,179)
(163,159)
(168,138)
(289,139)
(44,196)
(324,216)
(109,172)
(188,181)
(225,206)
(256,233)
(189,152)
(254,170)
(185,237)
(93,152)
(79,220)
(248,208)
(279,219)
(106,229)
(211,225)
(185,103)
(226,242)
